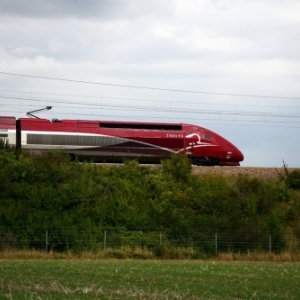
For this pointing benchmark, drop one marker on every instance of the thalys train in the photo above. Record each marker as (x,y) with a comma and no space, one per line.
(114,141)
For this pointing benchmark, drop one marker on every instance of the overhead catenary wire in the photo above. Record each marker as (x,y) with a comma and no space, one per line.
(165,109)
(215,120)
(100,98)
(159,110)
(147,87)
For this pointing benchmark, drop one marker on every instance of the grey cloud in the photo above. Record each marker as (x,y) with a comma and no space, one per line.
(101,9)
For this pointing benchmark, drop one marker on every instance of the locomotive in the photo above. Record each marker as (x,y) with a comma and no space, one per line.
(114,141)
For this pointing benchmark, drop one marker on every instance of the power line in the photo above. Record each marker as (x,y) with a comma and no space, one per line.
(159,109)
(215,120)
(148,87)
(142,100)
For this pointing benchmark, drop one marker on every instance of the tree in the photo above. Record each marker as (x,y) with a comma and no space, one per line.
(178,166)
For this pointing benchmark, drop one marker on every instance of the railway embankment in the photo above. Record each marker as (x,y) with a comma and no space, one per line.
(235,171)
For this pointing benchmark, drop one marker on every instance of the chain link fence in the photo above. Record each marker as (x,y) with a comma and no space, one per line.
(210,242)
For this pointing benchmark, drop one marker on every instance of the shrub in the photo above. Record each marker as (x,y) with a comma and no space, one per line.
(293,179)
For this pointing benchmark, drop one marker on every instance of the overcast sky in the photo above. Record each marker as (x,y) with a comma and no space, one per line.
(230,66)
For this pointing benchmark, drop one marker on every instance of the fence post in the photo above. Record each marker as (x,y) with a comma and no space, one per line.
(46,244)
(104,241)
(270,243)
(216,244)
(160,239)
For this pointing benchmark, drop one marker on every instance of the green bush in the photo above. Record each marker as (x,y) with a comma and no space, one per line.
(77,202)
(293,179)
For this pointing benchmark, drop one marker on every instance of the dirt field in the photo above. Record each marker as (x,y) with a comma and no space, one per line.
(235,171)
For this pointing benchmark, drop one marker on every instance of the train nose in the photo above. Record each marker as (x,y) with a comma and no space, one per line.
(234,154)
(241,156)
(238,155)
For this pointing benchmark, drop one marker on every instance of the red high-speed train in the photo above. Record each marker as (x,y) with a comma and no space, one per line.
(114,141)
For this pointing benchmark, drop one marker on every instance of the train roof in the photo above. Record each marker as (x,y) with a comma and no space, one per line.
(8,120)
(7,123)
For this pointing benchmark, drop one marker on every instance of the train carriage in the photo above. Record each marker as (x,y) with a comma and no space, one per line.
(113,141)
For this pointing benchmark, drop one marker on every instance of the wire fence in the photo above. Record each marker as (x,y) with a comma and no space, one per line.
(205,241)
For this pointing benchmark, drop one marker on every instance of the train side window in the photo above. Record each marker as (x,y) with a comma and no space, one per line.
(141,126)
(3,133)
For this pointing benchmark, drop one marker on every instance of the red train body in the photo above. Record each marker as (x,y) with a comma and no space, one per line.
(112,141)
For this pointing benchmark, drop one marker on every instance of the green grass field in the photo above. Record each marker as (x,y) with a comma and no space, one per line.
(149,279)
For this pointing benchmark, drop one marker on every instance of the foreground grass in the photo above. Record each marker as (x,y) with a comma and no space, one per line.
(143,253)
(150,279)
